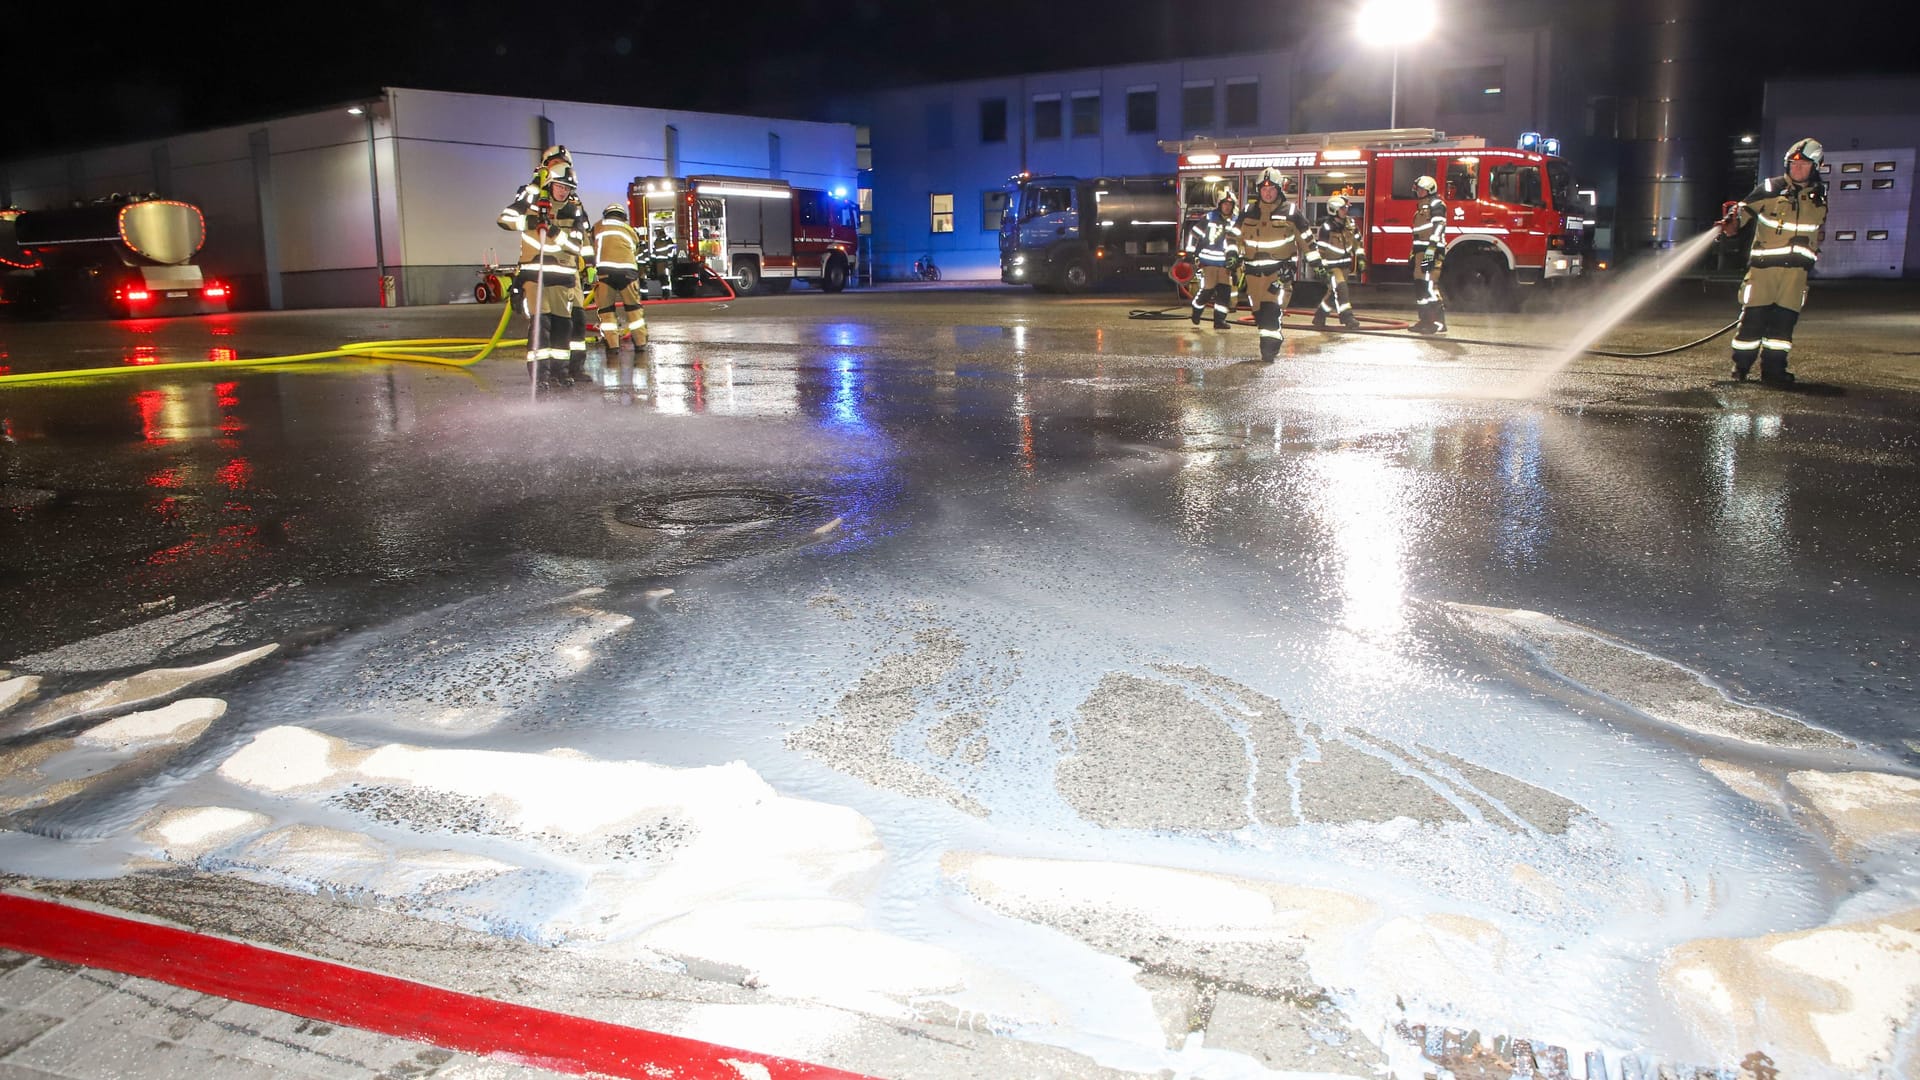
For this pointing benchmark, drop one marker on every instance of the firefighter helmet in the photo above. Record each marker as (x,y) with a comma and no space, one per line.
(1806,150)
(1271,175)
(561,174)
(614,210)
(559,152)
(1426,186)
(1225,195)
(1337,205)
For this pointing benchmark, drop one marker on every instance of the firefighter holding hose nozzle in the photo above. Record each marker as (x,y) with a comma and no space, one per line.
(1790,211)
(551,246)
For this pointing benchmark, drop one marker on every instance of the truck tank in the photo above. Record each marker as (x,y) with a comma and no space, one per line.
(147,232)
(1141,201)
(1669,102)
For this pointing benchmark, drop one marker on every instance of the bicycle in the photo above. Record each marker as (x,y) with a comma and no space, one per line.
(924,270)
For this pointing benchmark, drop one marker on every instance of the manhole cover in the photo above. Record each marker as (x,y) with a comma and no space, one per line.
(714,506)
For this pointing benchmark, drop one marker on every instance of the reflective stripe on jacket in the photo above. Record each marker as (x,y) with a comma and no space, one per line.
(1272,235)
(1430,226)
(1788,219)
(1213,239)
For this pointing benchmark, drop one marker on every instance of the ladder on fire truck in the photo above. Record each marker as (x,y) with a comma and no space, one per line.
(1375,139)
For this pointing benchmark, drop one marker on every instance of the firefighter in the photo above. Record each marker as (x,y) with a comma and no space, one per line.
(1273,234)
(1215,242)
(550,256)
(1790,209)
(616,262)
(1429,255)
(662,251)
(1336,254)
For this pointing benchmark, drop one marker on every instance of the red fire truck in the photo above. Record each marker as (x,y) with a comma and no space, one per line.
(1513,216)
(757,233)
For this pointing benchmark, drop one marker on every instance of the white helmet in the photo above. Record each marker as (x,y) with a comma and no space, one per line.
(1806,150)
(1426,185)
(1337,204)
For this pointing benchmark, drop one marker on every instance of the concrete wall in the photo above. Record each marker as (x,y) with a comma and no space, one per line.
(1863,114)
(447,164)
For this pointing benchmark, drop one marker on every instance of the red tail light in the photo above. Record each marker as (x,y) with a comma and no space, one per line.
(138,294)
(215,291)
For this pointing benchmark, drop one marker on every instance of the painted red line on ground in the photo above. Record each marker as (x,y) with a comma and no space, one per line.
(337,994)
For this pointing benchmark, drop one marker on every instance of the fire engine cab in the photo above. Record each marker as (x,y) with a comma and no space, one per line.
(759,234)
(1512,215)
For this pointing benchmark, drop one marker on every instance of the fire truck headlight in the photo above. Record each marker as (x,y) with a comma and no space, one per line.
(1019,260)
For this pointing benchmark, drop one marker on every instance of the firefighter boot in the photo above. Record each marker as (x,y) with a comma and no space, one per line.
(1319,318)
(1423,323)
(1348,320)
(1773,368)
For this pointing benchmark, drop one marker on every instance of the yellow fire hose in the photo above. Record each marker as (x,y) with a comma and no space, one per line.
(409,350)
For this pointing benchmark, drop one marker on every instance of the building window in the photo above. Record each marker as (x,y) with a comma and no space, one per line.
(942,209)
(1882,185)
(993,209)
(863,148)
(1196,106)
(1046,116)
(865,197)
(1143,110)
(1883,166)
(1852,166)
(1849,185)
(1845,234)
(1480,89)
(993,120)
(1086,113)
(1876,234)
(1243,102)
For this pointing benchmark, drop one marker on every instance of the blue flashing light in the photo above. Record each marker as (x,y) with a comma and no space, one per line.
(1529,140)
(840,192)
(1550,147)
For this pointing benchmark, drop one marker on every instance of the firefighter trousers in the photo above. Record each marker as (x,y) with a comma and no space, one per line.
(612,293)
(1215,289)
(1269,294)
(1770,299)
(1431,305)
(1335,302)
(551,332)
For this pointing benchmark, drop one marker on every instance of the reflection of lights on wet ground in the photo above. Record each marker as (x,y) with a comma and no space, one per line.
(1362,503)
(235,474)
(225,394)
(668,387)
(847,335)
(222,354)
(1751,511)
(1523,497)
(142,354)
(843,408)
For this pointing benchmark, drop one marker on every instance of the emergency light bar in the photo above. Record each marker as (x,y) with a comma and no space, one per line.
(747,192)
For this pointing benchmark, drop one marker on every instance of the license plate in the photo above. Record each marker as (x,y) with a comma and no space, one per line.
(182,292)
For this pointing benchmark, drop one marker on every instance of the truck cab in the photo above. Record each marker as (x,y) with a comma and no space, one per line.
(1064,233)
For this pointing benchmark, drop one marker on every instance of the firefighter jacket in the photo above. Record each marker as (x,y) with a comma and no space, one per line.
(1430,230)
(1214,239)
(616,247)
(1273,235)
(1336,245)
(1790,217)
(559,258)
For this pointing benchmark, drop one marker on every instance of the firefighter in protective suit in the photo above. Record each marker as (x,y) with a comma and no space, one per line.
(1272,235)
(552,242)
(616,264)
(1429,255)
(1790,211)
(1336,254)
(1215,243)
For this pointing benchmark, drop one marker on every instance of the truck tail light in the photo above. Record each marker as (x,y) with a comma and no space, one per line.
(215,291)
(1556,242)
(138,295)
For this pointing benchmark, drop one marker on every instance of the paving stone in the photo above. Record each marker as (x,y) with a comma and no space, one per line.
(20,986)
(19,1027)
(80,989)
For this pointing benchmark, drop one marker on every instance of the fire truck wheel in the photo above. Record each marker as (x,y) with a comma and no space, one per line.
(1478,281)
(834,278)
(482,294)
(1075,277)
(747,274)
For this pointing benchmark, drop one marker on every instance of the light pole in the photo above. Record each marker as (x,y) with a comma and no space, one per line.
(365,109)
(1394,23)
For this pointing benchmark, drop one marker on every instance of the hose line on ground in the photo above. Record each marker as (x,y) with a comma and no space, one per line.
(1395,327)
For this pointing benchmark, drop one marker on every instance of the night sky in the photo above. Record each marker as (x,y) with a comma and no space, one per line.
(84,76)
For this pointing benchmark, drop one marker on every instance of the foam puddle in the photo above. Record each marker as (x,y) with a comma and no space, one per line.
(1060,803)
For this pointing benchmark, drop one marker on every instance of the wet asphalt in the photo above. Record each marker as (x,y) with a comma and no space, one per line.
(1768,539)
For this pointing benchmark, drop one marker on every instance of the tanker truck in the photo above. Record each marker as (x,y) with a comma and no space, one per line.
(1066,233)
(121,256)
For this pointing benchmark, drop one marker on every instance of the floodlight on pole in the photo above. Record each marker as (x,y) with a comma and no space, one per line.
(1394,23)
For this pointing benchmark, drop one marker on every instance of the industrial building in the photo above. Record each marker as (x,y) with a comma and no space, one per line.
(316,209)
(1871,129)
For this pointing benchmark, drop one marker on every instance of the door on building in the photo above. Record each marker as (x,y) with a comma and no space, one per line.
(1869,201)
